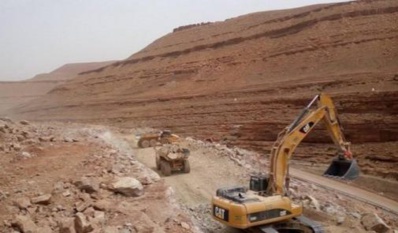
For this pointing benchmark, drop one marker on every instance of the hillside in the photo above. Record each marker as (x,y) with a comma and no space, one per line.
(242,80)
(14,93)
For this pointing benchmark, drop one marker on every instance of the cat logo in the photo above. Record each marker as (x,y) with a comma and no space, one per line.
(220,213)
(307,127)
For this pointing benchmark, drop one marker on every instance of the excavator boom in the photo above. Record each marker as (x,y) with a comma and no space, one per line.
(344,167)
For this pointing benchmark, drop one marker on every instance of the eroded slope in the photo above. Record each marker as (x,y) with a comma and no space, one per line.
(242,80)
(14,93)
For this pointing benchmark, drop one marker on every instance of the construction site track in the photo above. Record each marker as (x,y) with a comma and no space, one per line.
(298,224)
(343,189)
(348,190)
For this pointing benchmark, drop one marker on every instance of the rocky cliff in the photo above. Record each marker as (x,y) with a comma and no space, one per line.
(244,79)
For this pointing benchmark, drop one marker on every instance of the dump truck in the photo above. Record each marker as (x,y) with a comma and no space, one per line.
(154,139)
(171,158)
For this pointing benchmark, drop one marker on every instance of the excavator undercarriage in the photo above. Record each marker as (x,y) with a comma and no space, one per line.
(299,224)
(294,222)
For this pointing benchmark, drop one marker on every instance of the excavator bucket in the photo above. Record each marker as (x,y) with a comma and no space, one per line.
(343,169)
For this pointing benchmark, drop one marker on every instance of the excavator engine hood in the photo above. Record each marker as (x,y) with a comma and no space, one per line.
(343,169)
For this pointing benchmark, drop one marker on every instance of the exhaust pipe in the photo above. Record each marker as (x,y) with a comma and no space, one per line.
(343,169)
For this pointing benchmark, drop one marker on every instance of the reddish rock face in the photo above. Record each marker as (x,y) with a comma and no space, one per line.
(243,80)
(19,92)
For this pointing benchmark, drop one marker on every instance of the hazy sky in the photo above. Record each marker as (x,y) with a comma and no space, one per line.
(38,36)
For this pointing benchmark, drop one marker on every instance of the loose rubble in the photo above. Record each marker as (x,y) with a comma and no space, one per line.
(93,183)
(98,195)
(316,200)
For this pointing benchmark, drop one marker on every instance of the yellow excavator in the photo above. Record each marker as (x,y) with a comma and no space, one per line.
(265,206)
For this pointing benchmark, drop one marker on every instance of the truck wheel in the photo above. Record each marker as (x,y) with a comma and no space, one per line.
(166,168)
(145,143)
(187,167)
(153,142)
(157,162)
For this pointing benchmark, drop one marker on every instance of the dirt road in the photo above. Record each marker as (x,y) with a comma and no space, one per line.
(211,170)
(193,191)
(346,189)
(207,175)
(208,172)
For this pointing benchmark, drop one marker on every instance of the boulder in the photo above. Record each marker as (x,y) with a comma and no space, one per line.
(66,225)
(372,222)
(143,228)
(43,199)
(16,146)
(356,215)
(66,139)
(20,138)
(58,187)
(149,177)
(88,185)
(330,209)
(47,139)
(82,206)
(3,128)
(82,225)
(24,122)
(25,134)
(104,205)
(67,193)
(340,220)
(185,225)
(89,212)
(127,186)
(111,229)
(22,202)
(25,155)
(25,224)
(45,229)
(314,202)
(99,218)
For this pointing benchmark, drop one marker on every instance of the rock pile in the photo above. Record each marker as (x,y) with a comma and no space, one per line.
(117,195)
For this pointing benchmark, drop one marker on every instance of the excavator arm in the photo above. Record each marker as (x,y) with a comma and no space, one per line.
(333,126)
(292,136)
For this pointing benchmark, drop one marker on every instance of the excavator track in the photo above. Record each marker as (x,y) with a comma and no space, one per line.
(298,225)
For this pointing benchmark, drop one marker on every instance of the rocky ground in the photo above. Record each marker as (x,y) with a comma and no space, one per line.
(60,177)
(235,84)
(70,178)
(241,81)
